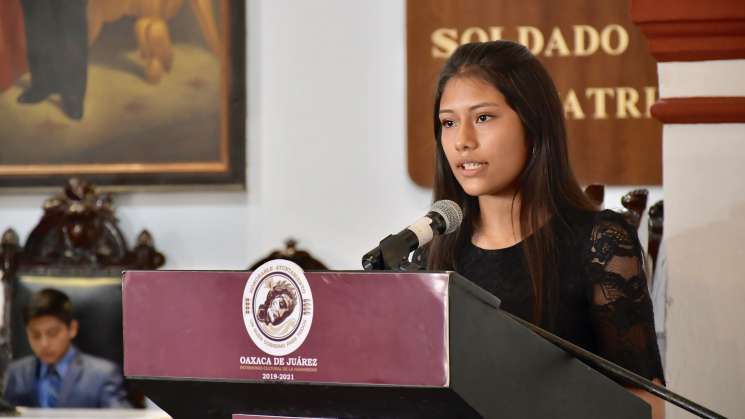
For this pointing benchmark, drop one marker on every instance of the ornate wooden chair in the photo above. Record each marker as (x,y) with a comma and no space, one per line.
(635,203)
(304,259)
(656,218)
(77,248)
(596,193)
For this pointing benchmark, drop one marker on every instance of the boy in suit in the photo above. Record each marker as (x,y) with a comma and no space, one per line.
(58,374)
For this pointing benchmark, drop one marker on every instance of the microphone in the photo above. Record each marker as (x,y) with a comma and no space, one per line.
(444,217)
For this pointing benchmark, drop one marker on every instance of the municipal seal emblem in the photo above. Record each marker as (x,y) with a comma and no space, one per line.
(278,307)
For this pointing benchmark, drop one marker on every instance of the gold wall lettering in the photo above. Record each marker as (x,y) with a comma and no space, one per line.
(597,57)
(628,102)
(579,41)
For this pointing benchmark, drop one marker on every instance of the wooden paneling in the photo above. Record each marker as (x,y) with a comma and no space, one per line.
(608,91)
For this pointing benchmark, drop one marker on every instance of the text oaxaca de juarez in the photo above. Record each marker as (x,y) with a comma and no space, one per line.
(279,323)
(606,78)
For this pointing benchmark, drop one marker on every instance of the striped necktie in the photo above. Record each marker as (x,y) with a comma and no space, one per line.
(55,383)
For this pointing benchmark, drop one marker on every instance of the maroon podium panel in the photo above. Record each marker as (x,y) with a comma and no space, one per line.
(269,417)
(367,328)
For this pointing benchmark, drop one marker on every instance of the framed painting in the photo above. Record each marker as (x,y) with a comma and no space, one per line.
(127,94)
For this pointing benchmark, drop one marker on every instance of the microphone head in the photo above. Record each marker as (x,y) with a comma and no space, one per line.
(450,212)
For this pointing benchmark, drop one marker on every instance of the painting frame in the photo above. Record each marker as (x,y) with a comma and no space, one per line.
(226,172)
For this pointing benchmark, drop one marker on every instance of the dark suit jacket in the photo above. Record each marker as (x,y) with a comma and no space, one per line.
(88,382)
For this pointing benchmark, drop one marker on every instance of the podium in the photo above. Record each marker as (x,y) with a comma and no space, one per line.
(380,345)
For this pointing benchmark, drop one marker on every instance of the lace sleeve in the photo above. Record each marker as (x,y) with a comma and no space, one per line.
(621,310)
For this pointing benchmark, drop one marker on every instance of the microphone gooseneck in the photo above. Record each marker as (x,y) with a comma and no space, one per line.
(444,217)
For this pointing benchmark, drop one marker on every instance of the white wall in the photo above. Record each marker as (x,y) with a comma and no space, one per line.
(326,146)
(705,231)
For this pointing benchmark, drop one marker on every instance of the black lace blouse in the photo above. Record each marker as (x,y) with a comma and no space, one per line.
(603,303)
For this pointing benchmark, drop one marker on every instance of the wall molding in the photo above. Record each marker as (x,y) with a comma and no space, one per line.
(690,30)
(700,110)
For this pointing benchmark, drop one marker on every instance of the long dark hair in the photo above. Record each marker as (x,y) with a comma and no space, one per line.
(546,185)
